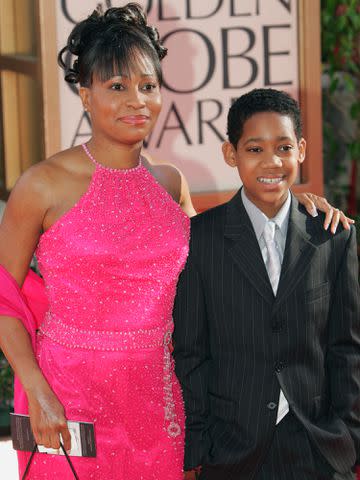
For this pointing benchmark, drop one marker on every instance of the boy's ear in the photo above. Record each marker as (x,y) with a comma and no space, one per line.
(84,93)
(302,150)
(229,153)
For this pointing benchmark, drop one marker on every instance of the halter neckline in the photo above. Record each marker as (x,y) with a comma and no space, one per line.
(110,169)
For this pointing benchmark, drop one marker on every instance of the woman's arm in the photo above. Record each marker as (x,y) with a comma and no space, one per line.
(46,412)
(173,180)
(19,233)
(185,198)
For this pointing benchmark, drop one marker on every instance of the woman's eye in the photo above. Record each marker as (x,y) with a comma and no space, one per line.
(149,87)
(117,86)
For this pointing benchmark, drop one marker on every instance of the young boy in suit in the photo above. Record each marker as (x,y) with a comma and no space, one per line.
(267,318)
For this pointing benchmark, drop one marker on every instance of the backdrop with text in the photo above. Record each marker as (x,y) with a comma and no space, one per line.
(218,50)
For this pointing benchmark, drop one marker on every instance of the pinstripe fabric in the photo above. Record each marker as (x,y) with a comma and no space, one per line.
(290,456)
(236,344)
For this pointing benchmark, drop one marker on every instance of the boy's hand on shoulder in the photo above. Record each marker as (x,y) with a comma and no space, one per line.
(333,215)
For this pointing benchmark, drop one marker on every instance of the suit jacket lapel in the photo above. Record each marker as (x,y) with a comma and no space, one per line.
(244,248)
(298,253)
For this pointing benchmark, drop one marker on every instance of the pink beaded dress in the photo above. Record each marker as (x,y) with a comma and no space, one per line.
(110,266)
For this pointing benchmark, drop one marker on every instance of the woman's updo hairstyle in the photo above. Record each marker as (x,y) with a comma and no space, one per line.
(108,44)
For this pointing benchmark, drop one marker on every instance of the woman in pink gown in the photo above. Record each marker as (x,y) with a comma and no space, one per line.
(111,239)
(115,257)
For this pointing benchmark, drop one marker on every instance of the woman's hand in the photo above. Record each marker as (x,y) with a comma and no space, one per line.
(190,475)
(333,216)
(47,419)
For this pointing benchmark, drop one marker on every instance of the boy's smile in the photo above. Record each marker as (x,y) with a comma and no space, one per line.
(267,156)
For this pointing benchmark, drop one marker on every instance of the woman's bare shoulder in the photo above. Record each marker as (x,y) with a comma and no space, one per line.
(166,174)
(169,174)
(164,166)
(174,181)
(40,181)
(67,161)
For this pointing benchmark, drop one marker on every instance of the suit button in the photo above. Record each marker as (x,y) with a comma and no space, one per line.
(279,366)
(271,405)
(277,327)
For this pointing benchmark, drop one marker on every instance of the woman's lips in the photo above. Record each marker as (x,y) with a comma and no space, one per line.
(135,119)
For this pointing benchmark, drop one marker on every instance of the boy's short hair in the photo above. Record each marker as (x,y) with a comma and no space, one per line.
(257,101)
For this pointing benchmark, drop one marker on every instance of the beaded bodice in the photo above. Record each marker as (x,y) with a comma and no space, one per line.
(111,263)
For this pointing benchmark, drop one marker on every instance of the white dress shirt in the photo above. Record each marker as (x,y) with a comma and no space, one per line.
(258,220)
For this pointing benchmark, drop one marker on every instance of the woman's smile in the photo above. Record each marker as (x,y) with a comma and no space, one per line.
(135,119)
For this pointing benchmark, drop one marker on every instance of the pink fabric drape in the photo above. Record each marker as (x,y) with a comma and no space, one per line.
(29,305)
